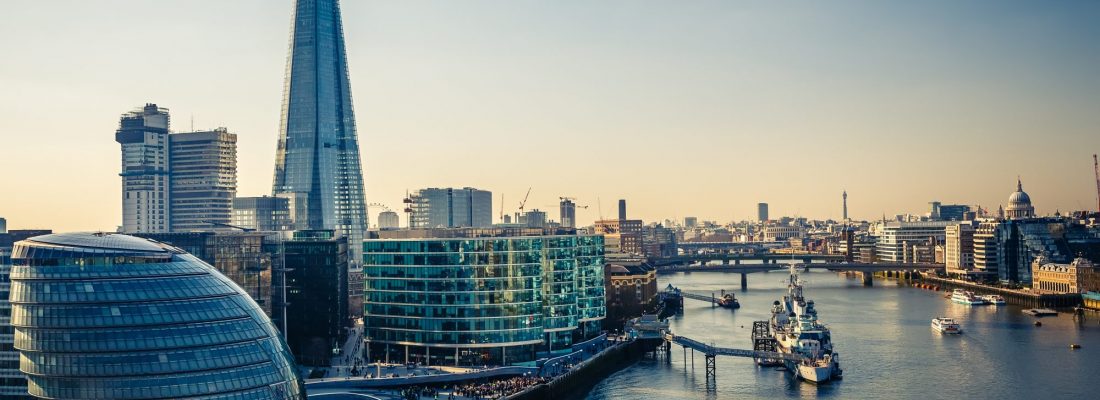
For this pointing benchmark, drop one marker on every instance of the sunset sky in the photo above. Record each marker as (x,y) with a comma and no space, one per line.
(698,108)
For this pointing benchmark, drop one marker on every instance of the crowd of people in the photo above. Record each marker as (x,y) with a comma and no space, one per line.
(498,388)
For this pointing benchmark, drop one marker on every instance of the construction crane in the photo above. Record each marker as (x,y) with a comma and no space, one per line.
(574,200)
(524,202)
(1096,170)
(223,225)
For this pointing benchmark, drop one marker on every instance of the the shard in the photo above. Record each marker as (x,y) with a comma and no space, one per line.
(317,160)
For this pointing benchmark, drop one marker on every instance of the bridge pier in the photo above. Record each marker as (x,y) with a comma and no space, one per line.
(744,281)
(737,262)
(867,278)
(711,367)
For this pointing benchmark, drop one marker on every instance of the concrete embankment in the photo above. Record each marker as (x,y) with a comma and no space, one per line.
(1012,296)
(582,377)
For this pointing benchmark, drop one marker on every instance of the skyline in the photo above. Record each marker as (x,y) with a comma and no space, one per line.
(638,93)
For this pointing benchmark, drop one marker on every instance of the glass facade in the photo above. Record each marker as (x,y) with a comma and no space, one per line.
(316,294)
(483,300)
(13,385)
(109,316)
(317,157)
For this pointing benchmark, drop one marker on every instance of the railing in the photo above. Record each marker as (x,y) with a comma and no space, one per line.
(724,351)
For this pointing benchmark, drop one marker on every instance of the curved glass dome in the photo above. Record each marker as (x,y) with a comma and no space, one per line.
(109,316)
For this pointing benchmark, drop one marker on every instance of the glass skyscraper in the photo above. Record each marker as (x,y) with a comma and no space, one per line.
(317,158)
(110,316)
(480,296)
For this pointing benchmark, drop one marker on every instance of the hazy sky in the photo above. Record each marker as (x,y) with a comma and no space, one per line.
(683,107)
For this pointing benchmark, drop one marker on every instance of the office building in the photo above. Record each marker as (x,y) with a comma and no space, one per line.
(3,225)
(762,212)
(480,296)
(955,212)
(316,293)
(621,236)
(988,256)
(622,210)
(533,218)
(958,249)
(110,316)
(567,213)
(266,213)
(317,156)
(1078,276)
(239,256)
(774,232)
(451,208)
(203,179)
(143,135)
(13,384)
(691,222)
(896,240)
(388,220)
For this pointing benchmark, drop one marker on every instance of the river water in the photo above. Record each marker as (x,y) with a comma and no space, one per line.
(886,347)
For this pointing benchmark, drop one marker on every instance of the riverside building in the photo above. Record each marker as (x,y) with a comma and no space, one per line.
(480,296)
(110,316)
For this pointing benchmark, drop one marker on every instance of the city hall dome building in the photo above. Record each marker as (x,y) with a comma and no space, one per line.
(110,316)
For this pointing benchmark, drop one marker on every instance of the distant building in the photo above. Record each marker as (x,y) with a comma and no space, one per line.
(477,296)
(621,236)
(658,241)
(778,232)
(266,213)
(388,220)
(691,222)
(451,208)
(622,210)
(3,225)
(140,320)
(316,293)
(955,212)
(762,212)
(533,219)
(959,249)
(143,134)
(1079,276)
(203,179)
(896,240)
(567,213)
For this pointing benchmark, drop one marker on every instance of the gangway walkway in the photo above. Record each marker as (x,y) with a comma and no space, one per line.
(711,352)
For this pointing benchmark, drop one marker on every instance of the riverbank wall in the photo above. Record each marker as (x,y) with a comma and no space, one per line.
(1012,296)
(582,377)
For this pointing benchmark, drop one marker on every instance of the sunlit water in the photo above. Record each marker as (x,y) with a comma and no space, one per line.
(886,347)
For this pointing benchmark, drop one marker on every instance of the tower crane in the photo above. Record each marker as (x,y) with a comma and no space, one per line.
(1096,170)
(524,202)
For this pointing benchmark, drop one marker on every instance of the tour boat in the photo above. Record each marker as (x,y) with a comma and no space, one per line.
(965,297)
(945,325)
(994,299)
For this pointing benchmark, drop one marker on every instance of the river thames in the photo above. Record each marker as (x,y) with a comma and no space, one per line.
(886,347)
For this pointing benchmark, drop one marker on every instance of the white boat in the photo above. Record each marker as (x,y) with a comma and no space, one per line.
(946,325)
(966,297)
(994,299)
(796,330)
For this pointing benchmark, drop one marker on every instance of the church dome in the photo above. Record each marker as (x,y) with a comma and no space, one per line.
(1019,197)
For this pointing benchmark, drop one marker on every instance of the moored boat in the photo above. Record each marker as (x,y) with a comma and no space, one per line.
(994,299)
(966,297)
(796,330)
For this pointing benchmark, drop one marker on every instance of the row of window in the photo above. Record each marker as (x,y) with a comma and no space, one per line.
(139,338)
(144,363)
(182,287)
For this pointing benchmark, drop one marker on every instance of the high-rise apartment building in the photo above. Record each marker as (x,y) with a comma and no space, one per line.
(762,212)
(203,171)
(109,316)
(143,134)
(264,213)
(388,220)
(567,213)
(451,208)
(317,156)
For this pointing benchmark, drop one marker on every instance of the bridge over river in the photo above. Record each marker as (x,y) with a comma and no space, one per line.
(865,269)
